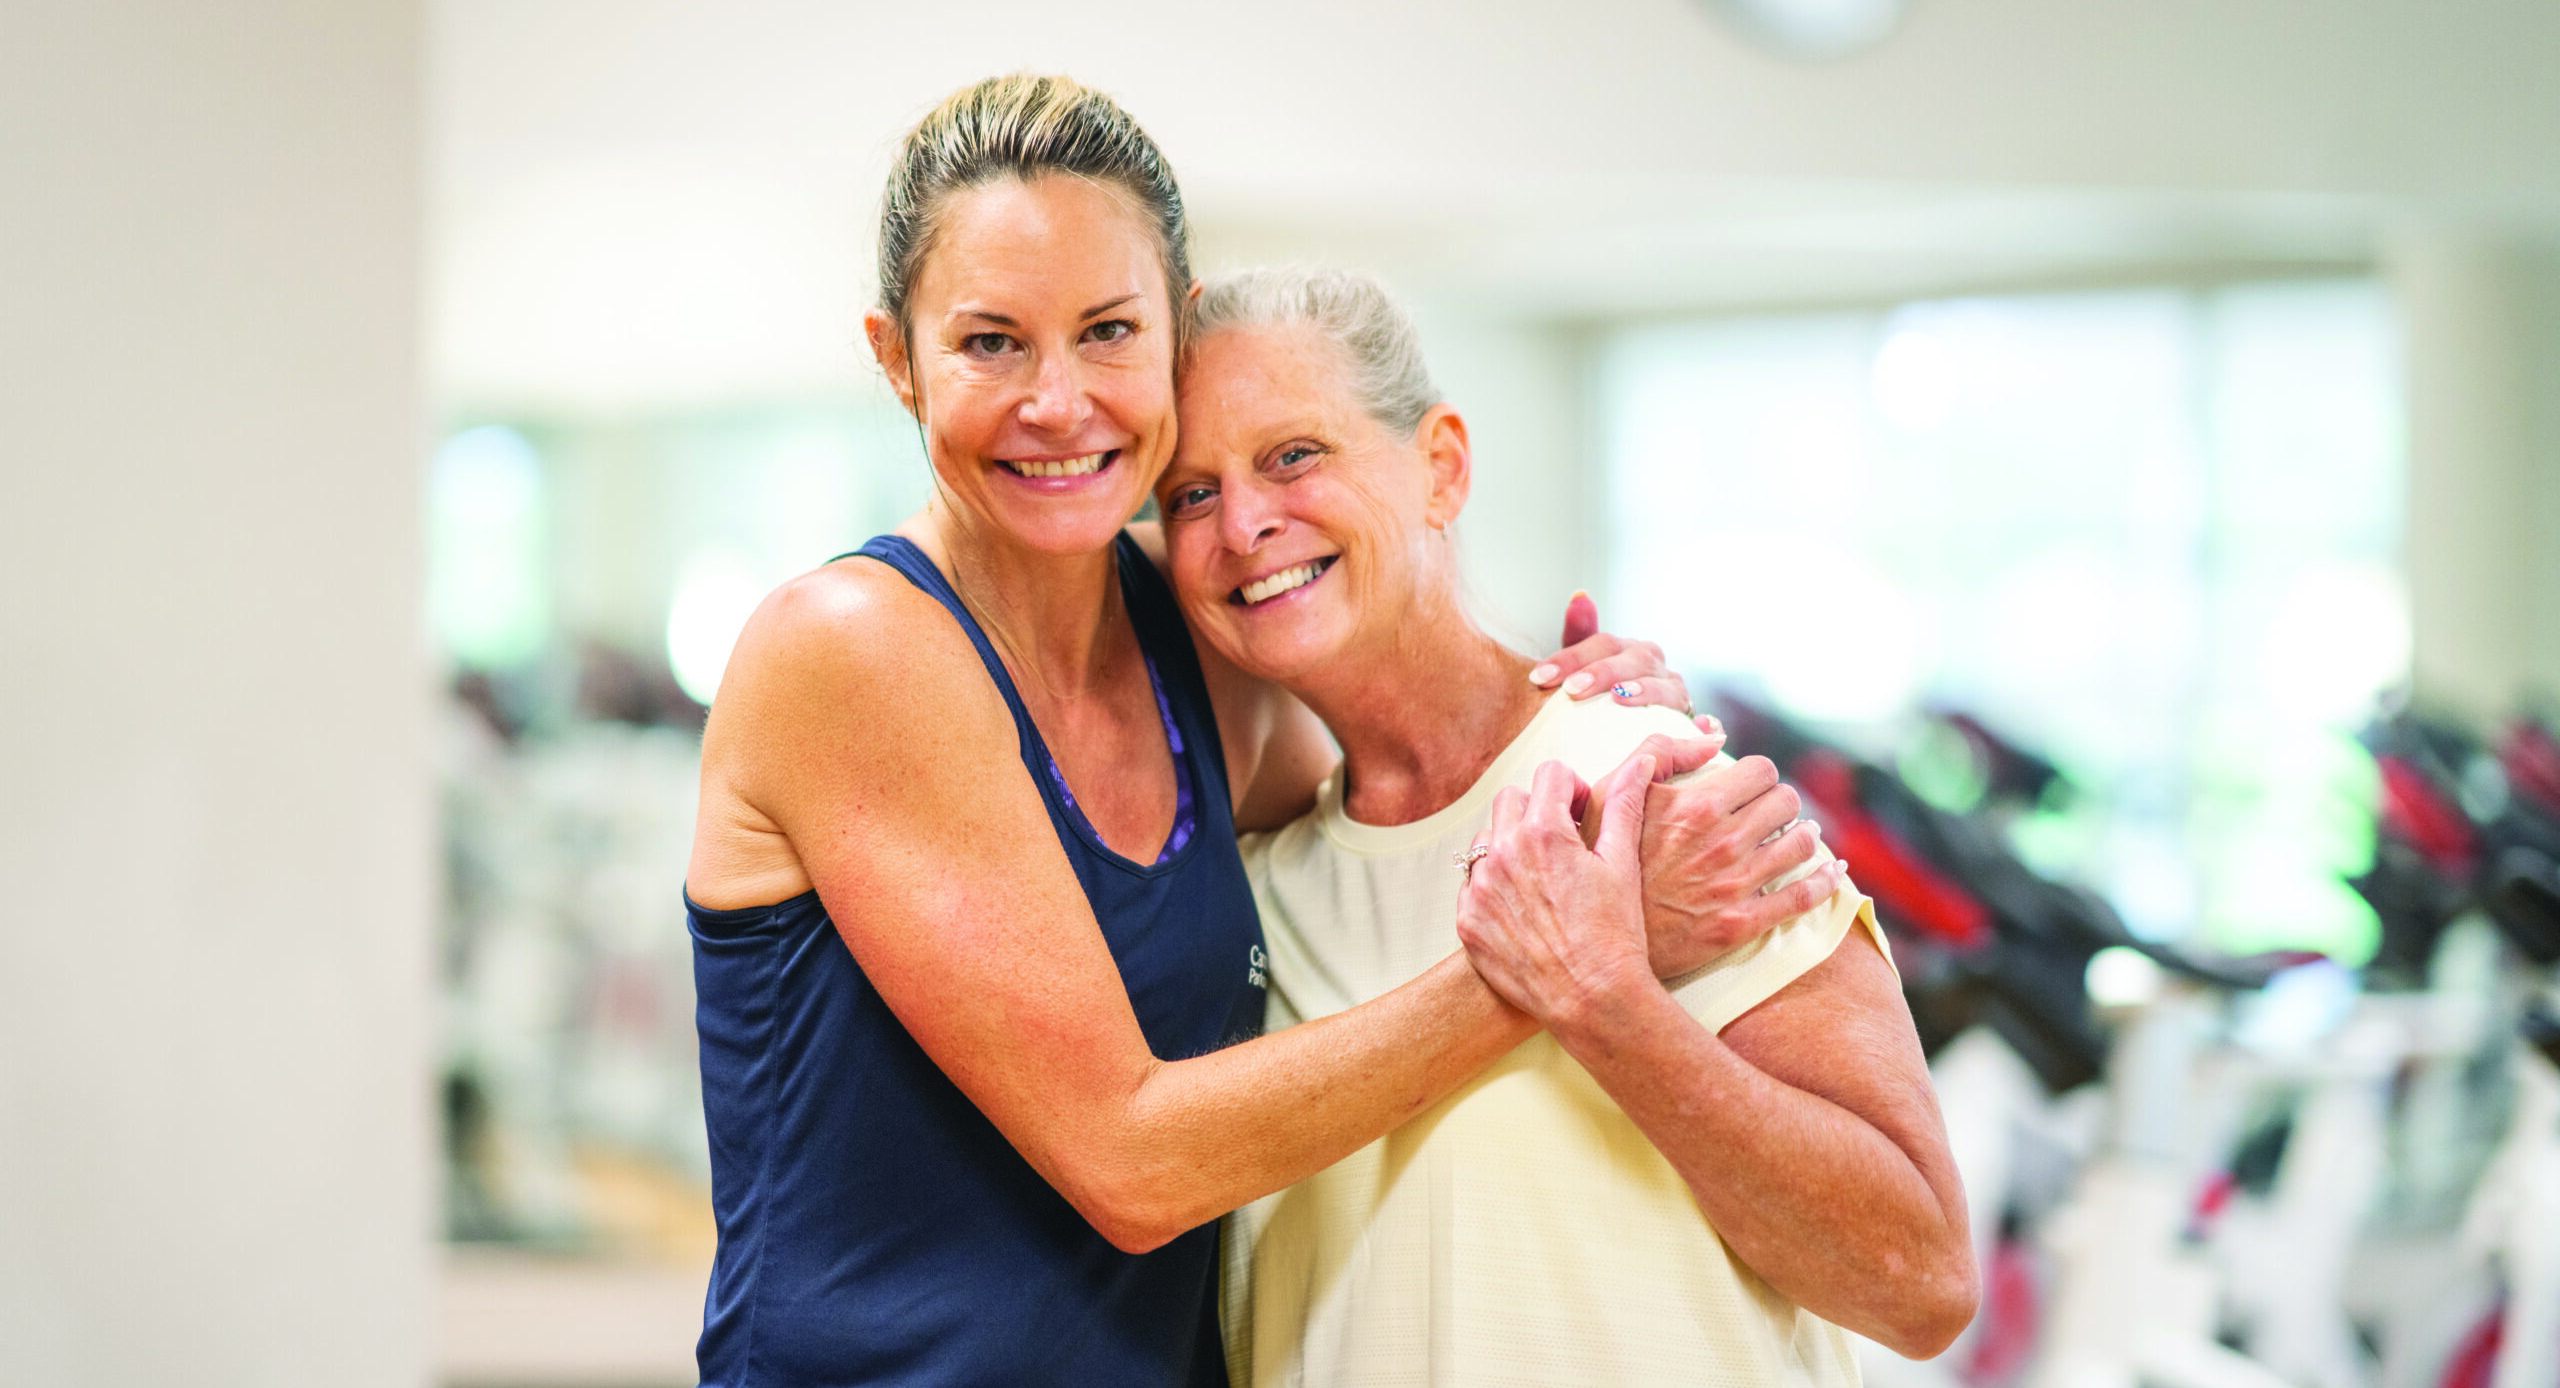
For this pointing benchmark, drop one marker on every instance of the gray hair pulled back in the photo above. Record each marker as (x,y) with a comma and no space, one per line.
(1024,126)
(1354,311)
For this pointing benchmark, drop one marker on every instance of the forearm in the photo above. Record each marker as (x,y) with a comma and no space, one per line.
(1824,1206)
(1199,1137)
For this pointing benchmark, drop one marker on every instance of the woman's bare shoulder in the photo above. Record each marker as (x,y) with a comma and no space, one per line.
(779,673)
(852,597)
(845,658)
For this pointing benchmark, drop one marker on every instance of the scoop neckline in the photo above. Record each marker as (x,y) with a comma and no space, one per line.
(1379,840)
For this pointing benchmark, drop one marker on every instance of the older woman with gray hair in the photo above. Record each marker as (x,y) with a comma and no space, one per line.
(1704,1180)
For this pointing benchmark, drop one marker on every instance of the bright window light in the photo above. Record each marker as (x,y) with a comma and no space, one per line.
(714,595)
(488,589)
(2152,533)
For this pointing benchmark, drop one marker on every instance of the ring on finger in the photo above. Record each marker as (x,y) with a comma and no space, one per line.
(1466,859)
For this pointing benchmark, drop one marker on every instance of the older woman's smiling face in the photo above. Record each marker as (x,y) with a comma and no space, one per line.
(1302,532)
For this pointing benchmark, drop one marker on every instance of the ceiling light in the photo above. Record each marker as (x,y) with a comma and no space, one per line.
(1811,29)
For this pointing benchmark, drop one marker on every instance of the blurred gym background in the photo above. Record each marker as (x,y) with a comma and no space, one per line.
(2154,410)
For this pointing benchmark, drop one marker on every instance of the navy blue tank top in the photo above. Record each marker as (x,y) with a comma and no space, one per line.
(875,1227)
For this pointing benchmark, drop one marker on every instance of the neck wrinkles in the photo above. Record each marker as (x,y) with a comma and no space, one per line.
(1420,723)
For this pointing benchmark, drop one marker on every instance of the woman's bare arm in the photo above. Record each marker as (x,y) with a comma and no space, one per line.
(907,803)
(1808,1130)
(1811,1138)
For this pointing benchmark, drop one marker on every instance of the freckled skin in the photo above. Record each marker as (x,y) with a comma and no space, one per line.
(1041,328)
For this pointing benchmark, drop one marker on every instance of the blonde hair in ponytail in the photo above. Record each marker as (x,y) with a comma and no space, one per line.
(1024,127)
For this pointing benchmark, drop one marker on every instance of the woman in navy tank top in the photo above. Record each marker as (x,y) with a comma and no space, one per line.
(973,947)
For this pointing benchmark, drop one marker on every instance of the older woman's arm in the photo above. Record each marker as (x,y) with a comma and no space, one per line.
(1809,1134)
(1807,1130)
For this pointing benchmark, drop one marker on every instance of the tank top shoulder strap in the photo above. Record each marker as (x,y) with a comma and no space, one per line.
(1167,640)
(900,553)
(1157,619)
(1152,609)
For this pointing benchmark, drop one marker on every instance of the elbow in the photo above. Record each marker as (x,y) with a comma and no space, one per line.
(1133,1232)
(1940,1303)
(1133,1214)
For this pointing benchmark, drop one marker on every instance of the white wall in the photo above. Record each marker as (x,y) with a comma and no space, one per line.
(654,198)
(648,200)
(1524,541)
(215,830)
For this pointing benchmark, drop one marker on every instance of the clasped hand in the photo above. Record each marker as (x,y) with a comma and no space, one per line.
(1588,890)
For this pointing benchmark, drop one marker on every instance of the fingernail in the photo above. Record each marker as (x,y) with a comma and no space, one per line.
(1542,674)
(1624,689)
(1715,725)
(1580,682)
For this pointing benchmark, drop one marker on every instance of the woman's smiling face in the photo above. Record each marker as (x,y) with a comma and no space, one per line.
(1039,359)
(1302,532)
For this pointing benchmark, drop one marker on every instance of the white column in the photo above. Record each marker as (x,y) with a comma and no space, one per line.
(2482,317)
(216,831)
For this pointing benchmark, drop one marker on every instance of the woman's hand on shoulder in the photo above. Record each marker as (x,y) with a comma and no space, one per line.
(1592,662)
(1716,844)
(1718,839)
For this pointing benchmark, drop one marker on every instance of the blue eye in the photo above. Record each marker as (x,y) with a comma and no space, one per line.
(1183,503)
(1294,454)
